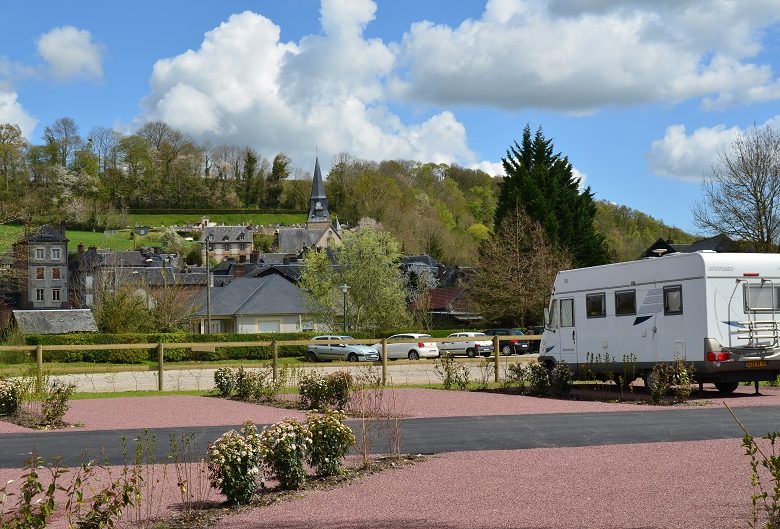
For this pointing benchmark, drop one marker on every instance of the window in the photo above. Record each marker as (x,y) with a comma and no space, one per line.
(56,254)
(625,302)
(40,254)
(39,294)
(567,313)
(673,300)
(39,273)
(596,305)
(758,298)
(55,294)
(55,273)
(554,314)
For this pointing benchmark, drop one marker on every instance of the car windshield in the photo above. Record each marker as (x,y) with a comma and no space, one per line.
(517,332)
(344,338)
(425,336)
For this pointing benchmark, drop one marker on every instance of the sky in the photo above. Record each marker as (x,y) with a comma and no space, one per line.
(641,96)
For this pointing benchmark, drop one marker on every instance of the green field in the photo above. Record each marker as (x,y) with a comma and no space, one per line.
(120,241)
(229,219)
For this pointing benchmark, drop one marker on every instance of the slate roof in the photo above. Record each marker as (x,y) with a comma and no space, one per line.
(271,258)
(55,321)
(419,260)
(255,296)
(291,272)
(227,234)
(47,233)
(293,240)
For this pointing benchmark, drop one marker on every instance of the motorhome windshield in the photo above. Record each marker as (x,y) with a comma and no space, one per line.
(762,298)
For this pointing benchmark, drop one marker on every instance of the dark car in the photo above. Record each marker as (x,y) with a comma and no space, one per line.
(510,346)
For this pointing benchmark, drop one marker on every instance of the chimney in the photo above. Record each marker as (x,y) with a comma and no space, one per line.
(80,248)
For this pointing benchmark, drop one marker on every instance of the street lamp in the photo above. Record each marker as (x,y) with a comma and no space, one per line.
(344,289)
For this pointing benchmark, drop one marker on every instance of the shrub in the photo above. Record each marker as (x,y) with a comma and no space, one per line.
(55,404)
(284,446)
(682,378)
(325,391)
(517,374)
(658,382)
(330,441)
(254,385)
(9,397)
(538,379)
(234,463)
(128,356)
(765,499)
(451,372)
(224,381)
(561,379)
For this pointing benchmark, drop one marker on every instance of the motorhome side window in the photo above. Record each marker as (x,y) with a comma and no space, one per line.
(625,302)
(554,314)
(761,298)
(567,313)
(673,300)
(596,305)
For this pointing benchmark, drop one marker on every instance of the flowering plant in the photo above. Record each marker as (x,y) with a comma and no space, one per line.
(284,446)
(234,463)
(9,397)
(331,439)
(224,381)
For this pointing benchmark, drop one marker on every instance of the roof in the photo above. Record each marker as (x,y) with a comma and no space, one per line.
(55,321)
(227,234)
(419,260)
(259,296)
(317,187)
(47,233)
(718,243)
(293,240)
(291,272)
(445,299)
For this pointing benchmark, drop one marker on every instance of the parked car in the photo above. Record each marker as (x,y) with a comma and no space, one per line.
(510,346)
(413,347)
(480,345)
(340,351)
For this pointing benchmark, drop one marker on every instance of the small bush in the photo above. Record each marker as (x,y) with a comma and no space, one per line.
(682,379)
(234,464)
(128,356)
(517,375)
(538,379)
(561,379)
(325,391)
(224,381)
(659,381)
(451,372)
(9,397)
(765,498)
(330,441)
(55,404)
(284,446)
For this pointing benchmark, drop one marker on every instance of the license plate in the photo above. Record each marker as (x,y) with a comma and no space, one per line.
(755,363)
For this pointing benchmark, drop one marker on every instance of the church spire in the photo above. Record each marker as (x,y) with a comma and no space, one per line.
(318,202)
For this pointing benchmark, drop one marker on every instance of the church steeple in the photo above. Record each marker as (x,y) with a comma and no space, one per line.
(318,202)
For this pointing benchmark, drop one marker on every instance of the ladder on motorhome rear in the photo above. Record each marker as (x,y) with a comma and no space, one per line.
(759,333)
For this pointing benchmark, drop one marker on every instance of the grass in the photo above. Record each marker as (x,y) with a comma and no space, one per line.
(230,219)
(120,240)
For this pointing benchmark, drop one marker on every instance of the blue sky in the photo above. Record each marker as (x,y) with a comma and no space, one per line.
(640,98)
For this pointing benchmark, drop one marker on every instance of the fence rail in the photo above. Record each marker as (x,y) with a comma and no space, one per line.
(274,344)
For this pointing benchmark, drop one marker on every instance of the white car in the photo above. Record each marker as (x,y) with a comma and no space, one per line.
(340,351)
(481,344)
(413,347)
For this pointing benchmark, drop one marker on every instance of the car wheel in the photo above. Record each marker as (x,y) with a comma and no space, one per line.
(506,350)
(470,352)
(310,356)
(414,355)
(352,357)
(726,387)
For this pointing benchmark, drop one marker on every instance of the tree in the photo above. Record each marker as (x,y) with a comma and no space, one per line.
(63,138)
(12,147)
(368,262)
(280,170)
(516,270)
(741,197)
(543,184)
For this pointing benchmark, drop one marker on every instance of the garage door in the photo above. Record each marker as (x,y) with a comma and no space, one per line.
(269,326)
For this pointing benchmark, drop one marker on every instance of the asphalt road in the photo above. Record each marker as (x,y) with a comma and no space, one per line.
(427,436)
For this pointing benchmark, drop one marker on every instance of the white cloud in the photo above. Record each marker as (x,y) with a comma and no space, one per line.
(71,53)
(491,168)
(11,111)
(243,85)
(579,56)
(580,177)
(689,157)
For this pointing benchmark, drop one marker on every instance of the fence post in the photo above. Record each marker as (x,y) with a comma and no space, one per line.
(274,360)
(495,357)
(160,358)
(384,361)
(38,368)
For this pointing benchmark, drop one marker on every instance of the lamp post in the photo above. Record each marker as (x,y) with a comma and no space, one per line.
(208,285)
(344,289)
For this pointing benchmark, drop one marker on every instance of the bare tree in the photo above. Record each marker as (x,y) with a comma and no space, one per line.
(741,199)
(517,268)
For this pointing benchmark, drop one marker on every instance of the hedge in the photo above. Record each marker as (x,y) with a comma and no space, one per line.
(206,212)
(178,354)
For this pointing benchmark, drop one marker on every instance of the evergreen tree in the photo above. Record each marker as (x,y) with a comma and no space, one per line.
(544,186)
(250,170)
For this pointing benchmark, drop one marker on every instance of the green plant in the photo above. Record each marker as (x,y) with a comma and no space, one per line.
(234,463)
(35,504)
(330,441)
(682,378)
(284,447)
(629,370)
(224,381)
(517,374)
(561,378)
(451,372)
(325,391)
(253,385)
(659,381)
(9,397)
(538,379)
(107,505)
(55,403)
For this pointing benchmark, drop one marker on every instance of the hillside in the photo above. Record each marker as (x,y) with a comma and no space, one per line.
(629,232)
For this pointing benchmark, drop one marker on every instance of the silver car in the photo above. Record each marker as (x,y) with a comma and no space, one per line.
(340,351)
(480,344)
(413,347)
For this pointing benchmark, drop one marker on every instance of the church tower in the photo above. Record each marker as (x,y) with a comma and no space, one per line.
(318,202)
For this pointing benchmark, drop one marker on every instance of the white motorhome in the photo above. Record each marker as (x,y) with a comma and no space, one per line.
(720,311)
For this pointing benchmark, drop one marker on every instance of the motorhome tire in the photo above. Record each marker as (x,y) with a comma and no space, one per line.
(470,352)
(726,387)
(650,380)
